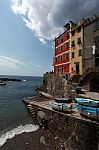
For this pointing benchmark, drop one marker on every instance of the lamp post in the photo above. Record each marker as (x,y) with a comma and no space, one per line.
(93,52)
(94,49)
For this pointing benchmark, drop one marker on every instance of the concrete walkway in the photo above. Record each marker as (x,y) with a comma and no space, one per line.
(91,95)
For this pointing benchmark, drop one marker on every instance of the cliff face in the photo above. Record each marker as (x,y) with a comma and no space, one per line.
(56,85)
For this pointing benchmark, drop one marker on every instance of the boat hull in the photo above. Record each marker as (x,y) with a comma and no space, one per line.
(87,102)
(64,107)
(88,111)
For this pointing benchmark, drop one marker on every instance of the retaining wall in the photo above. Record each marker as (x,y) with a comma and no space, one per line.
(74,133)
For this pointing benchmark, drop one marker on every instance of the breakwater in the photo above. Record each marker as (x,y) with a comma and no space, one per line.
(74,131)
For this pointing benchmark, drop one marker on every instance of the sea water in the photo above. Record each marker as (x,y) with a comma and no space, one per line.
(14,117)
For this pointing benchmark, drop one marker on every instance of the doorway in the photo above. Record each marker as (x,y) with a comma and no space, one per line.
(77,68)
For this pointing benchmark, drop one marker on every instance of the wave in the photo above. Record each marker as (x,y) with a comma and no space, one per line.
(20,129)
(24,80)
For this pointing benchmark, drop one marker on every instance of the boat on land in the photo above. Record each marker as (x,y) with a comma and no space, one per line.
(61,106)
(63,100)
(2,83)
(87,102)
(88,111)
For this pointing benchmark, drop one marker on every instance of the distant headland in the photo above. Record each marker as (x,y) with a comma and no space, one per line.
(10,79)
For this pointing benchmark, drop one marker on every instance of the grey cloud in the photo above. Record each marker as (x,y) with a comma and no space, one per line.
(46,17)
(74,10)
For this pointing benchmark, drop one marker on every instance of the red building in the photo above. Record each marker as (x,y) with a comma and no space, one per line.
(62,53)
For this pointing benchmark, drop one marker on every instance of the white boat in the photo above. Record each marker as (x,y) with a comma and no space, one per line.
(64,107)
(2,83)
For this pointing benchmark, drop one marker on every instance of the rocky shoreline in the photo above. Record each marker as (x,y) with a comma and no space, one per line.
(9,79)
(37,140)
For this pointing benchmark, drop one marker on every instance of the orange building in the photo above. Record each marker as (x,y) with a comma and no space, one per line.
(62,53)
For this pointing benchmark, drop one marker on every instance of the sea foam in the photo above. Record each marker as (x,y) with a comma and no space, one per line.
(15,131)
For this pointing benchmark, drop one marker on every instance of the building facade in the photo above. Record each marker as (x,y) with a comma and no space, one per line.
(91,44)
(62,53)
(76,50)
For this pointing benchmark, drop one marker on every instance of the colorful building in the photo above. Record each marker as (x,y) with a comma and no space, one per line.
(62,53)
(76,50)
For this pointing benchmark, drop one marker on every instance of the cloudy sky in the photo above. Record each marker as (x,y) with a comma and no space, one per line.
(27,30)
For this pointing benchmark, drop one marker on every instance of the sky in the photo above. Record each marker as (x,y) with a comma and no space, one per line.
(28,29)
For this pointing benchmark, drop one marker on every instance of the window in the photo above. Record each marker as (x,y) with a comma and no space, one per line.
(79,40)
(66,77)
(73,43)
(62,69)
(61,58)
(77,68)
(67,35)
(79,29)
(96,41)
(56,59)
(96,25)
(80,52)
(67,56)
(56,49)
(73,32)
(56,42)
(72,69)
(67,44)
(97,60)
(73,55)
(64,46)
(61,38)
(61,48)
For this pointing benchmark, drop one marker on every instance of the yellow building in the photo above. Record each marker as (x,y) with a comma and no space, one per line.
(76,50)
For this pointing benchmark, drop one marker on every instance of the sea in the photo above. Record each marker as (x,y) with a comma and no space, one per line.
(14,116)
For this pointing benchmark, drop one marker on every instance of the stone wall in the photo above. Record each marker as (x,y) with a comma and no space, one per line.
(88,57)
(56,85)
(74,133)
(91,35)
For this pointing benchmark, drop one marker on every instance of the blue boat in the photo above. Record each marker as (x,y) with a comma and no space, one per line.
(87,102)
(89,111)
